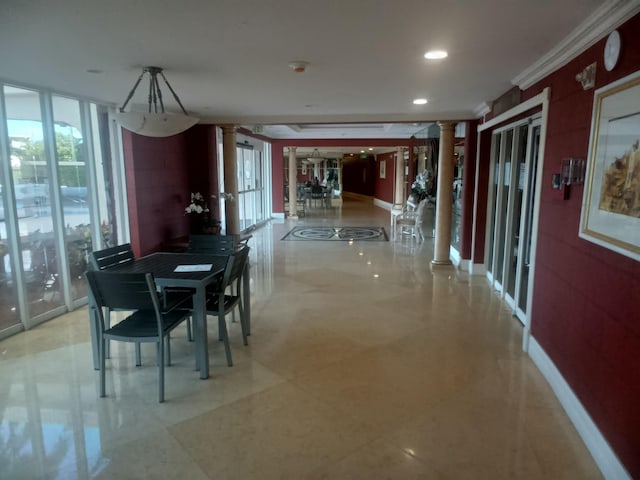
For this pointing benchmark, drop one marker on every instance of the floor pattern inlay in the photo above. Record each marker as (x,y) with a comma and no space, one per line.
(337,234)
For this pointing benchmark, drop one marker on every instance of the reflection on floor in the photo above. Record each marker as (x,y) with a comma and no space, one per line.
(362,364)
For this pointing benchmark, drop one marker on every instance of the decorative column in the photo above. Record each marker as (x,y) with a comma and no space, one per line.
(230,180)
(444,197)
(422,159)
(398,200)
(293,184)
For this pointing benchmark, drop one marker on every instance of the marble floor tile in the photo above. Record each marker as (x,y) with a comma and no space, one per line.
(363,363)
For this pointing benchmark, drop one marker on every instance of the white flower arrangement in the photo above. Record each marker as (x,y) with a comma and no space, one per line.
(197,205)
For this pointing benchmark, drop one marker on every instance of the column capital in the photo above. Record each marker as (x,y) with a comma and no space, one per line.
(292,149)
(447,124)
(229,128)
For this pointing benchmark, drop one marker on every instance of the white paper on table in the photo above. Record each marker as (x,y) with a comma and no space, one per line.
(204,267)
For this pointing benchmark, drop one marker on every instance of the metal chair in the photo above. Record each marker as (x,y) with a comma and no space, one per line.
(220,245)
(221,300)
(110,258)
(148,322)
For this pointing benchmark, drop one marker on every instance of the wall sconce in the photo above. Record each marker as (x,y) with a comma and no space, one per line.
(572,174)
(587,77)
(573,171)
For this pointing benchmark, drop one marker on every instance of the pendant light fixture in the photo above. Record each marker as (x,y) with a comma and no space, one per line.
(155,122)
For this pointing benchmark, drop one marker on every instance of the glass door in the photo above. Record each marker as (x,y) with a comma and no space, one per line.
(250,186)
(515,154)
(522,286)
(512,233)
(496,144)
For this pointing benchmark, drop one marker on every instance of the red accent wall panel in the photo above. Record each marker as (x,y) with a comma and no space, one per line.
(157,189)
(586,312)
(277,177)
(484,162)
(358,175)
(384,186)
(468,189)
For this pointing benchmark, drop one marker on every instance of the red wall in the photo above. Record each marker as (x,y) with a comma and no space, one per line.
(157,189)
(384,186)
(468,188)
(277,178)
(586,311)
(358,175)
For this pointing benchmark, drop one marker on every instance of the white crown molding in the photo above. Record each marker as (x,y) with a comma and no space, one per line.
(481,110)
(608,17)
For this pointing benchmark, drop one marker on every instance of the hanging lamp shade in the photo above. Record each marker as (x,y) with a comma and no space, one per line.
(155,122)
(315,156)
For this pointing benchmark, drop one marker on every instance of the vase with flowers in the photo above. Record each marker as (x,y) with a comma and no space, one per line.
(201,220)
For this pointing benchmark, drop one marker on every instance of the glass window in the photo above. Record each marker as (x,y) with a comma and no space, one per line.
(72,177)
(30,169)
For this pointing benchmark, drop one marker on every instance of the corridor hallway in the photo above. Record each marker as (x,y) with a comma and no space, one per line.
(362,364)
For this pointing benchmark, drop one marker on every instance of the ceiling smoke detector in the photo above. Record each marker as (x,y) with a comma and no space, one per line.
(298,66)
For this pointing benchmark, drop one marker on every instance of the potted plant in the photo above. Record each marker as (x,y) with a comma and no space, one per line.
(201,220)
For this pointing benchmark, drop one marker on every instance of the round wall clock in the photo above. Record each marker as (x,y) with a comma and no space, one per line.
(612,50)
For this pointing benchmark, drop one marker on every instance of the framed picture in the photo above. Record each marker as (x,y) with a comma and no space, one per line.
(383,169)
(610,213)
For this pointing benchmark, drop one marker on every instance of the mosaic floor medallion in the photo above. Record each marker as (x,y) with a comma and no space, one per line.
(338,234)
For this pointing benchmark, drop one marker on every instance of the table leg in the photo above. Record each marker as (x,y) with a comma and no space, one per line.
(200,332)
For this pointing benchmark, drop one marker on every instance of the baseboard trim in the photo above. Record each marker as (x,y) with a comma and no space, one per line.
(382,204)
(595,442)
(477,269)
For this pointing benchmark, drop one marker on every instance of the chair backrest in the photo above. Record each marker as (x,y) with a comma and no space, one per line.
(214,244)
(111,257)
(123,291)
(239,262)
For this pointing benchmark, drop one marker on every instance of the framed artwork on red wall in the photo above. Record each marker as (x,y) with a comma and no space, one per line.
(610,213)
(383,169)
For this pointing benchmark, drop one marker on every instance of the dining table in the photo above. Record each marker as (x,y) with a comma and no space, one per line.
(191,270)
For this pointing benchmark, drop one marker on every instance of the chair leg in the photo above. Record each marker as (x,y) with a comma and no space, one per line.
(160,370)
(138,355)
(107,319)
(103,380)
(243,324)
(168,351)
(222,327)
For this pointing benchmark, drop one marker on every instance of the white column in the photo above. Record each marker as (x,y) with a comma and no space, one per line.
(293,183)
(444,198)
(230,179)
(398,200)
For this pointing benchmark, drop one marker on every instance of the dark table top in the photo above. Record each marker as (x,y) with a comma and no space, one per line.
(162,265)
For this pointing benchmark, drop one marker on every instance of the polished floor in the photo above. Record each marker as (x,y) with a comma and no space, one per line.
(363,363)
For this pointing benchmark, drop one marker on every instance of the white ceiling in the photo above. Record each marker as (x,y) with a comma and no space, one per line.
(228,60)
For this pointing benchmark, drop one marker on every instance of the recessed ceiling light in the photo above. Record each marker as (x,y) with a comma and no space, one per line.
(370,148)
(436,54)
(420,101)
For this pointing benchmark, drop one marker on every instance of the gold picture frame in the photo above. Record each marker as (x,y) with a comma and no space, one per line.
(610,214)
